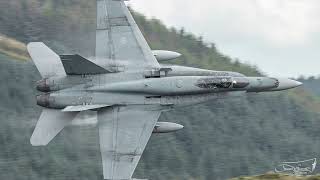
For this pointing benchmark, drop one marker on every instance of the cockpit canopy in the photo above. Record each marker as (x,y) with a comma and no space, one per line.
(222,82)
(215,82)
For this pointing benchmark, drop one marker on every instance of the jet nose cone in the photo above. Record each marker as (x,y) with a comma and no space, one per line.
(180,126)
(298,83)
(285,83)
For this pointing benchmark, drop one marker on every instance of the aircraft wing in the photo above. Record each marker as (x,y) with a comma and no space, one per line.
(124,133)
(118,37)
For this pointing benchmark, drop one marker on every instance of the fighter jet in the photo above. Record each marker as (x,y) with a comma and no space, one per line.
(128,88)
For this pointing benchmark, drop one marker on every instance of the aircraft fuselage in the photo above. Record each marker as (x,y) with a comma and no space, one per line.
(180,86)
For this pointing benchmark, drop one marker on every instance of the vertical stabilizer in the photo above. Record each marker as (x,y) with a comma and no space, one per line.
(50,123)
(48,62)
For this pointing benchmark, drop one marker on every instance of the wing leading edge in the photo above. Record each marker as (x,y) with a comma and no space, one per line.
(119,38)
(124,133)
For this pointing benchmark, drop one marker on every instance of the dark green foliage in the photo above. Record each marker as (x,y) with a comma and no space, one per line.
(223,138)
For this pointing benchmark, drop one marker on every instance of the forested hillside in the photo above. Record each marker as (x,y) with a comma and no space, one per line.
(311,84)
(222,139)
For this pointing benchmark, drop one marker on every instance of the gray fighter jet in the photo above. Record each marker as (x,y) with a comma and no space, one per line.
(128,88)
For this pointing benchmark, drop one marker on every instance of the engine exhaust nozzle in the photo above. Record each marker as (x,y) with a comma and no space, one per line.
(43,100)
(43,85)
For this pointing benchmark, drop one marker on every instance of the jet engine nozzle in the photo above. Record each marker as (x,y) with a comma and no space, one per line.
(43,100)
(43,85)
(166,127)
(58,83)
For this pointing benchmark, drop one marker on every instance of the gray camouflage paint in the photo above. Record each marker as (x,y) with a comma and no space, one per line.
(128,88)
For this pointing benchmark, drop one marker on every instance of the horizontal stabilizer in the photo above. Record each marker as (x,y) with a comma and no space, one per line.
(78,65)
(47,62)
(50,123)
(83,108)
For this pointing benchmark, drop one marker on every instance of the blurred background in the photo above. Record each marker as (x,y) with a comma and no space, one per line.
(222,139)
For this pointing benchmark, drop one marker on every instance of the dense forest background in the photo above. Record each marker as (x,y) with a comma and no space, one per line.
(222,139)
